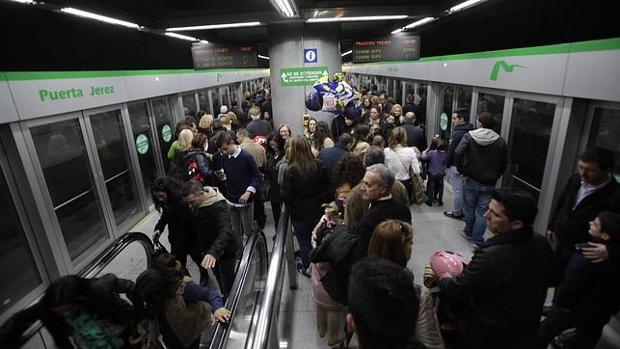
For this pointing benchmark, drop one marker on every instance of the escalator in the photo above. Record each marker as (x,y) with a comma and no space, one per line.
(255,289)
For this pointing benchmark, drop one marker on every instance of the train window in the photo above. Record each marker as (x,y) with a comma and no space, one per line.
(463,97)
(67,172)
(19,271)
(113,154)
(493,104)
(203,100)
(528,143)
(217,100)
(224,95)
(145,144)
(189,104)
(164,121)
(605,131)
(444,119)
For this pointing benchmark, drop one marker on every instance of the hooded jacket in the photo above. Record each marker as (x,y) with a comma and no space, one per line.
(213,226)
(457,135)
(481,155)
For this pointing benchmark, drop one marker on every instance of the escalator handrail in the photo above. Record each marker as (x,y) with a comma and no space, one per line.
(220,334)
(273,285)
(96,266)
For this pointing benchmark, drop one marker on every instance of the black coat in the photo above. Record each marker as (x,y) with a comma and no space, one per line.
(104,302)
(305,198)
(415,136)
(338,249)
(455,139)
(181,234)
(589,287)
(571,225)
(214,231)
(379,211)
(329,157)
(503,289)
(483,163)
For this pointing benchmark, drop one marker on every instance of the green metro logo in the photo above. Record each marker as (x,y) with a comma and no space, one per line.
(508,68)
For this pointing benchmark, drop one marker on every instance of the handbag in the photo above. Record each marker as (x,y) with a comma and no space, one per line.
(418,194)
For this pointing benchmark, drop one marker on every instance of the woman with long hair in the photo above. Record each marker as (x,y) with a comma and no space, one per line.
(282,134)
(397,112)
(322,138)
(400,159)
(186,137)
(310,129)
(304,189)
(348,172)
(167,195)
(360,135)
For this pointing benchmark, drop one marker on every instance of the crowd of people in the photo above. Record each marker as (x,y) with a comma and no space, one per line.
(349,187)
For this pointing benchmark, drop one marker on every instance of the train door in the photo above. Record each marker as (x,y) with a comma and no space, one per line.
(451,98)
(146,144)
(70,196)
(533,119)
(165,126)
(113,161)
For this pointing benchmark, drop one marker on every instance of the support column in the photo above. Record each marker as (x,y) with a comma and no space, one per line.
(286,50)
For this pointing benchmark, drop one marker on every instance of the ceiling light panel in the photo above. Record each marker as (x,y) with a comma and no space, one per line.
(97,17)
(419,23)
(215,26)
(182,37)
(356,19)
(285,7)
(463,5)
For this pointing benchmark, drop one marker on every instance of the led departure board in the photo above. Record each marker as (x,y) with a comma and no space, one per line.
(394,48)
(210,55)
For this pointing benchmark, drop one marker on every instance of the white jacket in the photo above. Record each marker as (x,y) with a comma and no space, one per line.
(400,160)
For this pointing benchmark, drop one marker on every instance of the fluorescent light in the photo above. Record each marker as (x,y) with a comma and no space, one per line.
(24,1)
(204,42)
(263,57)
(351,19)
(463,5)
(346,53)
(183,37)
(394,32)
(214,26)
(97,17)
(285,7)
(419,23)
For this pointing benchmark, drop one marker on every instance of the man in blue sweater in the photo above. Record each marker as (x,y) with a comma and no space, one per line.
(242,183)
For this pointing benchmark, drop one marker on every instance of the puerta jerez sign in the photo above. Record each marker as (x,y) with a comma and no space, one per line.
(393,48)
(211,55)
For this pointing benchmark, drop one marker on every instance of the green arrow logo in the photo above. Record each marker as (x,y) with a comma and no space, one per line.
(284,77)
(219,77)
(508,68)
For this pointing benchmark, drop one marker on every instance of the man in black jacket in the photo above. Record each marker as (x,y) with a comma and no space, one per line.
(460,127)
(503,288)
(415,135)
(216,240)
(592,190)
(481,159)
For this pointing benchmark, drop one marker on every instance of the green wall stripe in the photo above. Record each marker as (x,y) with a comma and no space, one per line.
(55,75)
(575,47)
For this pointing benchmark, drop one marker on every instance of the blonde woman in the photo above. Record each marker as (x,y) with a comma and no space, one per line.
(184,145)
(204,125)
(400,159)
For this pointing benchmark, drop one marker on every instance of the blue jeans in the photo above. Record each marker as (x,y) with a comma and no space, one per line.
(457,190)
(476,202)
(303,230)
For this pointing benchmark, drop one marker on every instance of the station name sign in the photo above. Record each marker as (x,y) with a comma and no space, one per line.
(394,48)
(210,55)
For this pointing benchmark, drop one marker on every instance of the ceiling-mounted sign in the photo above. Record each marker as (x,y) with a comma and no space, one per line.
(393,48)
(311,55)
(301,76)
(210,55)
